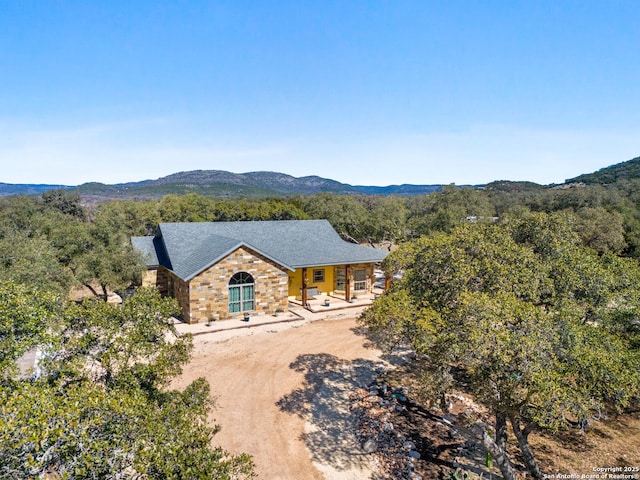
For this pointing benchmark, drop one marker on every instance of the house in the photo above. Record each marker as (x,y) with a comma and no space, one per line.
(219,270)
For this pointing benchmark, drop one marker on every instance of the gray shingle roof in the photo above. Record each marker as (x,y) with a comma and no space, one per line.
(145,246)
(190,248)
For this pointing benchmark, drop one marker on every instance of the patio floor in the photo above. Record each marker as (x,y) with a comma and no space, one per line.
(316,310)
(318,303)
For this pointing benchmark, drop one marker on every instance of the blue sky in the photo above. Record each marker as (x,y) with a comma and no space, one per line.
(364,92)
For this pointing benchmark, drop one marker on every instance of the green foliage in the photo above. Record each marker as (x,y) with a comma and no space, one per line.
(345,213)
(65,202)
(601,230)
(109,261)
(133,345)
(197,208)
(612,174)
(88,432)
(26,314)
(131,217)
(102,406)
(32,260)
(359,218)
(534,318)
(387,219)
(49,243)
(444,210)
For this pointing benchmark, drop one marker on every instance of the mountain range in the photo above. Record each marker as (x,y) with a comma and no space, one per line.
(221,183)
(273,184)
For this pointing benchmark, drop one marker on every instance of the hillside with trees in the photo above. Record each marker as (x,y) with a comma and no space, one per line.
(629,170)
(218,183)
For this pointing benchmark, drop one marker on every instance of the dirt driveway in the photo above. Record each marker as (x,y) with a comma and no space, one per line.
(282,397)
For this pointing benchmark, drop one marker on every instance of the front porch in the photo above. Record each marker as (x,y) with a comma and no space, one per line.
(337,301)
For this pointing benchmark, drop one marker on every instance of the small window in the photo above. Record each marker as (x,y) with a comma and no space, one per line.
(360,279)
(340,279)
(318,275)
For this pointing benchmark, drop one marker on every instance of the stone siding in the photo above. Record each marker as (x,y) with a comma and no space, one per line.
(207,293)
(370,276)
(179,289)
(156,277)
(150,278)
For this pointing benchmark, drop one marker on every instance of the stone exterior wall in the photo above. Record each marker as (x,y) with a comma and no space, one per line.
(180,290)
(369,268)
(371,277)
(150,278)
(205,297)
(156,277)
(207,293)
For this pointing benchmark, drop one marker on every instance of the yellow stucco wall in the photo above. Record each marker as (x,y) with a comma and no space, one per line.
(326,287)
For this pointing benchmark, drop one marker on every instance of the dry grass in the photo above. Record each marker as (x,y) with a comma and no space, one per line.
(608,443)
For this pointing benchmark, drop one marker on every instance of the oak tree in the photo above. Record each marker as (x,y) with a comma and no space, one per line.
(528,314)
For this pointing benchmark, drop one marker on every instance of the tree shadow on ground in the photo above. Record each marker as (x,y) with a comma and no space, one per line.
(400,356)
(323,402)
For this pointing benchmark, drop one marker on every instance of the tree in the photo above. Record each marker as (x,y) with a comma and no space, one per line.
(65,202)
(32,260)
(444,210)
(387,219)
(133,217)
(601,230)
(102,406)
(344,212)
(49,242)
(102,254)
(519,307)
(186,208)
(25,314)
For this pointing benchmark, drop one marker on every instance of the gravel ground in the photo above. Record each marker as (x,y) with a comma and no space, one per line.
(282,396)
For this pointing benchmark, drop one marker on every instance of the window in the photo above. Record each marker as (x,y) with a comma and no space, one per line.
(340,279)
(241,293)
(318,275)
(359,279)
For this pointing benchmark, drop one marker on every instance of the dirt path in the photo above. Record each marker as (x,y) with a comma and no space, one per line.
(282,398)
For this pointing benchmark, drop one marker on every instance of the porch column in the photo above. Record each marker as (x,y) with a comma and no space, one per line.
(347,283)
(304,287)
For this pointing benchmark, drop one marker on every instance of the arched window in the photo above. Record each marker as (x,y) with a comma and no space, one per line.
(241,297)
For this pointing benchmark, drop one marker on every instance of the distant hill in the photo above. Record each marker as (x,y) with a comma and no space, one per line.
(7,189)
(224,184)
(509,186)
(612,174)
(404,189)
(221,183)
